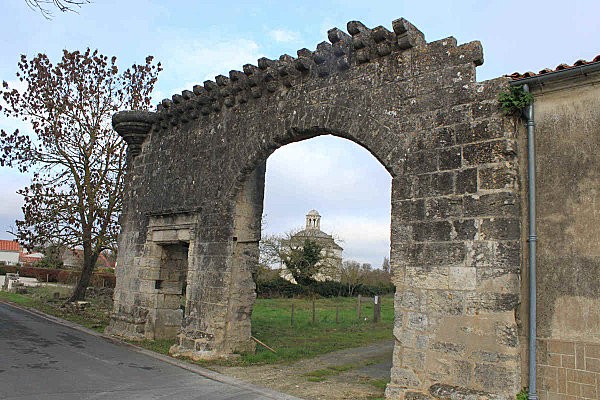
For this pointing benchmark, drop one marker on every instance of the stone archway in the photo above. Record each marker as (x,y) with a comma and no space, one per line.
(197,168)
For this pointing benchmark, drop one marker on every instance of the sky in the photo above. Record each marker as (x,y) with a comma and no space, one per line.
(196,40)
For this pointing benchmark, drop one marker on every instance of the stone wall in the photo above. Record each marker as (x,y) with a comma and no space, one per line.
(455,223)
(568,198)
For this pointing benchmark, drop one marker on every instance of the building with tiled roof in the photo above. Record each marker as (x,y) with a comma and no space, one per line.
(9,252)
(564,132)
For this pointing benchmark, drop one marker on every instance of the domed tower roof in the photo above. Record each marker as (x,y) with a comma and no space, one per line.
(313,220)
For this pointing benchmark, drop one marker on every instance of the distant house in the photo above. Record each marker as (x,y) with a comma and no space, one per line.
(9,252)
(331,252)
(30,259)
(73,258)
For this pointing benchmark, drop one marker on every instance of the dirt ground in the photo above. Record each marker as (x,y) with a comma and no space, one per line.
(359,373)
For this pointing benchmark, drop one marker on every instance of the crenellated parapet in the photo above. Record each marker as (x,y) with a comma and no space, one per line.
(344,51)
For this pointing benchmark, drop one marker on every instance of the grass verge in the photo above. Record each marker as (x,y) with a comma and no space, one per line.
(96,316)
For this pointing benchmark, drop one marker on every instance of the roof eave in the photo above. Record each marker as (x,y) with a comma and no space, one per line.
(540,79)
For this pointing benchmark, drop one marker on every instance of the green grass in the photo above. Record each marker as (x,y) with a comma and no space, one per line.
(271,323)
(17,298)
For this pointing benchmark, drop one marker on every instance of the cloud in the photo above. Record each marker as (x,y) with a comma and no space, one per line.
(284,36)
(364,239)
(327,171)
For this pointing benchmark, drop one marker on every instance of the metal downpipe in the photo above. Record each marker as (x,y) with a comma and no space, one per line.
(529,115)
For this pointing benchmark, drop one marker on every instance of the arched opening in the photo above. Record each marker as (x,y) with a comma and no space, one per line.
(348,192)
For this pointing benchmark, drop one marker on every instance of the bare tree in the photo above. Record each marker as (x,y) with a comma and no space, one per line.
(353,275)
(76,159)
(43,6)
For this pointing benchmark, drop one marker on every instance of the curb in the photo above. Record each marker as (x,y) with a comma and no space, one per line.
(206,373)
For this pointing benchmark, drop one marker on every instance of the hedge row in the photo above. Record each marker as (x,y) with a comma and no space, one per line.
(10,269)
(280,287)
(60,275)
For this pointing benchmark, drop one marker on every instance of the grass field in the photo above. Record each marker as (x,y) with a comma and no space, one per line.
(271,324)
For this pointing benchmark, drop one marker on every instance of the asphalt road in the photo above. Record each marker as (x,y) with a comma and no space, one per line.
(41,359)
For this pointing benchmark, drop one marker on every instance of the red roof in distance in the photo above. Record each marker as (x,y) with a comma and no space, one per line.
(10,245)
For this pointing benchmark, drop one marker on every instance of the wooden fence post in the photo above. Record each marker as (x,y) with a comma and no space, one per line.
(358,307)
(376,309)
(292,320)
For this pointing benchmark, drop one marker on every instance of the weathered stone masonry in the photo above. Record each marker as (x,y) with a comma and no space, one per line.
(196,180)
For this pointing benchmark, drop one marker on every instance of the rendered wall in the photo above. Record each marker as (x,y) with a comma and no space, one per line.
(567,114)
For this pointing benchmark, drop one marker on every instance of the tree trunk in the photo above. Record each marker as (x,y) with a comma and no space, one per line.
(89,262)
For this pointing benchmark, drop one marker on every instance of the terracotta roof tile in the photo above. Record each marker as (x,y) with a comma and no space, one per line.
(9,245)
(30,258)
(560,67)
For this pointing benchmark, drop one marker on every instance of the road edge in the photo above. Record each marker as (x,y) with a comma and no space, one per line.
(206,373)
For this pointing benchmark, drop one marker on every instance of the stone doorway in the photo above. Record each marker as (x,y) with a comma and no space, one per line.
(171,289)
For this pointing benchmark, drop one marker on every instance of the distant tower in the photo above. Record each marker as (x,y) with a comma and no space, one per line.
(313,220)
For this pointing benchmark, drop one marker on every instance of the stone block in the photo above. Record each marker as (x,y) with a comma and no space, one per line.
(437,231)
(483,129)
(496,378)
(500,229)
(446,302)
(591,364)
(417,321)
(434,184)
(404,377)
(443,207)
(498,176)
(450,158)
(491,152)
(408,210)
(413,358)
(592,350)
(491,302)
(462,278)
(466,181)
(465,229)
(556,346)
(438,254)
(427,277)
(491,205)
